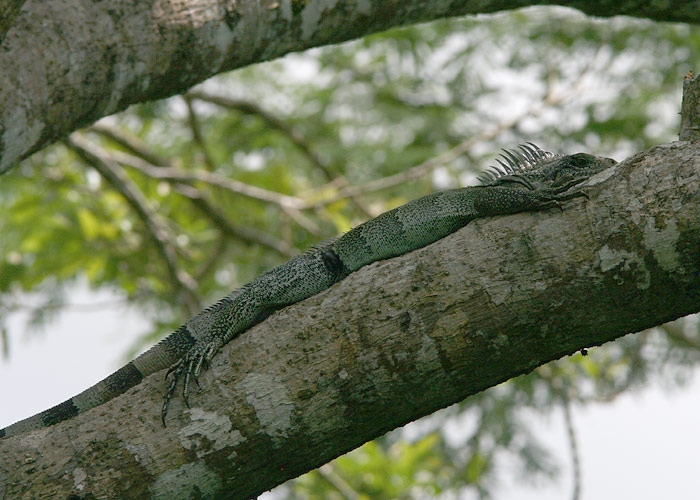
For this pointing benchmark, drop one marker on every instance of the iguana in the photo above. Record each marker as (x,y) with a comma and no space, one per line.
(526,179)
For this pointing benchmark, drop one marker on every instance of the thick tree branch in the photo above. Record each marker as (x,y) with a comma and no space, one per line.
(395,341)
(66,63)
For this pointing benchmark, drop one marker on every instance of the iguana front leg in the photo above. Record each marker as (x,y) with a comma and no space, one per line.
(299,278)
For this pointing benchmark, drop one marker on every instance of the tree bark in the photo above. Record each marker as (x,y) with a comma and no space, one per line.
(690,109)
(66,63)
(393,342)
(9,10)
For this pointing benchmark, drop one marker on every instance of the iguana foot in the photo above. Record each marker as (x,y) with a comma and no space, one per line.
(189,366)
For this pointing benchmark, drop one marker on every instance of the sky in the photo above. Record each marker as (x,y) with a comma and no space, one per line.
(645,445)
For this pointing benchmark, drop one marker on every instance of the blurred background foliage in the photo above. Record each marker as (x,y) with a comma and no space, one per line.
(173,203)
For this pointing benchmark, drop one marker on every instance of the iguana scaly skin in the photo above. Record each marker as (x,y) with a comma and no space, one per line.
(526,179)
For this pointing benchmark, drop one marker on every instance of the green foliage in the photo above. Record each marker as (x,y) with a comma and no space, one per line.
(306,127)
(377,472)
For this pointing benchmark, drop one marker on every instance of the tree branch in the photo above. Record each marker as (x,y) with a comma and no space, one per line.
(157,228)
(231,230)
(426,167)
(291,205)
(294,136)
(135,51)
(175,174)
(129,142)
(196,129)
(690,109)
(147,161)
(272,122)
(394,341)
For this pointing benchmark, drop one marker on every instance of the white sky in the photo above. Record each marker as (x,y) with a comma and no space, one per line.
(645,446)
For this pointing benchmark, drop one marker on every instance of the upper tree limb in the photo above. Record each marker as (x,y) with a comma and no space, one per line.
(66,63)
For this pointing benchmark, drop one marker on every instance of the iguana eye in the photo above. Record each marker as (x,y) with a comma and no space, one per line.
(579,160)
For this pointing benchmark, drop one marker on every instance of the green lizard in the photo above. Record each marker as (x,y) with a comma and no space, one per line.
(527,179)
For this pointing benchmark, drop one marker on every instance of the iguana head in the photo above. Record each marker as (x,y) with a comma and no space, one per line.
(531,167)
